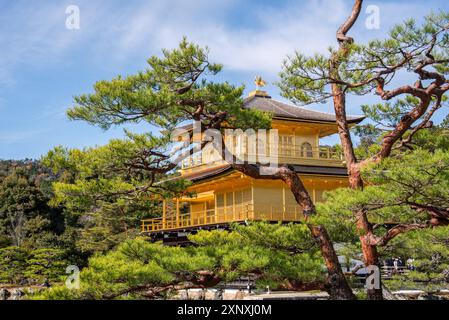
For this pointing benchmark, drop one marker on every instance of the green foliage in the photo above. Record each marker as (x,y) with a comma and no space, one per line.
(111,172)
(405,190)
(303,79)
(432,139)
(398,191)
(388,114)
(104,198)
(430,251)
(12,264)
(308,79)
(137,266)
(369,135)
(362,69)
(106,190)
(45,264)
(167,93)
(33,266)
(293,238)
(281,253)
(25,218)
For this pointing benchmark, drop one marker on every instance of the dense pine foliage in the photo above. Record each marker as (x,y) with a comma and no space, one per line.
(83,207)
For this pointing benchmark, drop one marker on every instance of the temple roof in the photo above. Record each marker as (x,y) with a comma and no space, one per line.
(262,101)
(301,169)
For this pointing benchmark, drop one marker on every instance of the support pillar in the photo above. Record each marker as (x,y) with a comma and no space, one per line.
(283,202)
(177,213)
(164,214)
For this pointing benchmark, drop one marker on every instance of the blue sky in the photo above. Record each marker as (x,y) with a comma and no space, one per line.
(43,64)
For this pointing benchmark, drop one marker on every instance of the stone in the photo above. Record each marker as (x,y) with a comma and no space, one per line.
(202,294)
(184,295)
(429,297)
(239,295)
(16,294)
(218,294)
(4,294)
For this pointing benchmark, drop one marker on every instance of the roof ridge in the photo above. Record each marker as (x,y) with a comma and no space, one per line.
(310,109)
(272,102)
(282,106)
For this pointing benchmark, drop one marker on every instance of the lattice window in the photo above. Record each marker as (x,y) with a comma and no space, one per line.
(306,150)
(286,145)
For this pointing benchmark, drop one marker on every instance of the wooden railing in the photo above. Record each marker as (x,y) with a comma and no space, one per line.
(246,212)
(294,153)
(389,271)
(300,152)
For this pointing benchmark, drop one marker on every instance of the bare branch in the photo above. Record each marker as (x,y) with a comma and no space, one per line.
(347,25)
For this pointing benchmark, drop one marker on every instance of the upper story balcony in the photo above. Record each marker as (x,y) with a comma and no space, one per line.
(303,154)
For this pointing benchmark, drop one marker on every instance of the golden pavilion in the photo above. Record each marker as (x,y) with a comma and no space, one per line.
(223,195)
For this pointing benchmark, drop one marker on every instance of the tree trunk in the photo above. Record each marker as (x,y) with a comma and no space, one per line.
(336,285)
(371,258)
(355,179)
(370,254)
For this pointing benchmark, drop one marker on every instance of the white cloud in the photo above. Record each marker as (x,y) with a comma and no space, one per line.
(258,48)
(28,33)
(35,35)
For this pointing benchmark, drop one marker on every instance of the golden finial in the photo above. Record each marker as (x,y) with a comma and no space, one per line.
(259,82)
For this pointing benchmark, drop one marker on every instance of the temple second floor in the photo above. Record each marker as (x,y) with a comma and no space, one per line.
(290,149)
(294,138)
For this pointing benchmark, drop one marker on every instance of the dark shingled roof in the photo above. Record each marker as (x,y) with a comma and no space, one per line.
(328,171)
(196,176)
(320,170)
(283,110)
